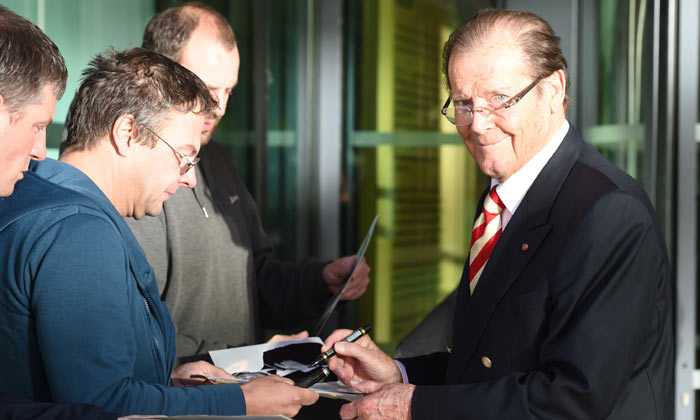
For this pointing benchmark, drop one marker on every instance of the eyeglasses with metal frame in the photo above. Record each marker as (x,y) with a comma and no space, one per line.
(462,115)
(189,163)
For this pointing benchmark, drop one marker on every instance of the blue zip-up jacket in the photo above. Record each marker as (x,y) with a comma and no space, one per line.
(15,408)
(80,315)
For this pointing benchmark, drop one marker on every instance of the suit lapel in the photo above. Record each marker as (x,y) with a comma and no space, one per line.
(530,226)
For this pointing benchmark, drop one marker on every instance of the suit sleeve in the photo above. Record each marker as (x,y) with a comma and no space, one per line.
(84,327)
(426,370)
(608,289)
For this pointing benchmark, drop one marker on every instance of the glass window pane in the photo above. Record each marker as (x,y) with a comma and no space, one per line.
(618,124)
(404,162)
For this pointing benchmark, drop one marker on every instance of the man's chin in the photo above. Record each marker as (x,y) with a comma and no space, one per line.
(7,190)
(207,135)
(208,132)
(154,212)
(154,209)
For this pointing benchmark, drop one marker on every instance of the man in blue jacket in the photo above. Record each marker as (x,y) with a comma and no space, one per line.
(29,87)
(80,316)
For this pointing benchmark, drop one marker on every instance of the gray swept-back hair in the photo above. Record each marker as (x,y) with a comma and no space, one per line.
(534,35)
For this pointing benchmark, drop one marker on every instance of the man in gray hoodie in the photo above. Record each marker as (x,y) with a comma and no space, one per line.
(213,261)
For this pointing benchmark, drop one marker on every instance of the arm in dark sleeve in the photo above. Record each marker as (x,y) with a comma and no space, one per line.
(426,370)
(610,312)
(288,292)
(14,408)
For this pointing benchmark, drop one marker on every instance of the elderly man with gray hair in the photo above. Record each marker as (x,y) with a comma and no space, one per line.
(564,308)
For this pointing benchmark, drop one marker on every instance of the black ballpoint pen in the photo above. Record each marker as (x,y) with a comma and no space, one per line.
(351,338)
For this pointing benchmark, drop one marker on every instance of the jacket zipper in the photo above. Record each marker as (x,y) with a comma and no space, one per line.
(155,339)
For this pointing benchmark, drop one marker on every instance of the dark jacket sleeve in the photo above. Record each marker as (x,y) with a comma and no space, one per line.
(289,292)
(426,370)
(15,408)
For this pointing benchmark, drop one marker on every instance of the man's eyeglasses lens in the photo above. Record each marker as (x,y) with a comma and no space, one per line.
(185,163)
(462,115)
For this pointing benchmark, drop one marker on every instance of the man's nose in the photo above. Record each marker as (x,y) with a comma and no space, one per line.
(480,121)
(38,151)
(189,178)
(220,108)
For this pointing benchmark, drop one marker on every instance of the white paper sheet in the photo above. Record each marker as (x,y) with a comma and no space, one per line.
(250,358)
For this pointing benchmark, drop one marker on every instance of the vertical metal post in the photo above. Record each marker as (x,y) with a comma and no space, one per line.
(686,211)
(651,161)
(328,123)
(305,161)
(260,101)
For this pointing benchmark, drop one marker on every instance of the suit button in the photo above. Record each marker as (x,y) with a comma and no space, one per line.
(486,362)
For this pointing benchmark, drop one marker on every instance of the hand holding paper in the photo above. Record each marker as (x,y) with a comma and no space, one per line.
(275,395)
(391,402)
(182,375)
(336,273)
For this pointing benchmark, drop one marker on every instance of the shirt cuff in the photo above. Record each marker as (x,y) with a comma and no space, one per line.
(402,369)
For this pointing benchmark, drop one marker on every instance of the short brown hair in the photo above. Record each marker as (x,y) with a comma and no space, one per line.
(139,82)
(534,35)
(168,31)
(29,60)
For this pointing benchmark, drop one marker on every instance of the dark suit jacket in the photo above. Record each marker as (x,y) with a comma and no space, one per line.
(571,318)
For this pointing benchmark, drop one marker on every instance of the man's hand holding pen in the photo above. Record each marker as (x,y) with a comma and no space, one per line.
(363,367)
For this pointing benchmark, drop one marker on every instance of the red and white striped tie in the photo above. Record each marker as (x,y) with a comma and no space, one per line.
(487,230)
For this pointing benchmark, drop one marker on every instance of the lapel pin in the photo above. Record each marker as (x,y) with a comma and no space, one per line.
(524,247)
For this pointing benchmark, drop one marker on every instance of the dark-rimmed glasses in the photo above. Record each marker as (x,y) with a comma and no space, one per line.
(462,115)
(189,163)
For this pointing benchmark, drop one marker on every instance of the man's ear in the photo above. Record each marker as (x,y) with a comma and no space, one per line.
(123,134)
(557,83)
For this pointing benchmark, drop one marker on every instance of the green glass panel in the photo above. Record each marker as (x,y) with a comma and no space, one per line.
(404,161)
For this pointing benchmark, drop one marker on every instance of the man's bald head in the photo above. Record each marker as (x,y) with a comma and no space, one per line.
(167,32)
(199,38)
